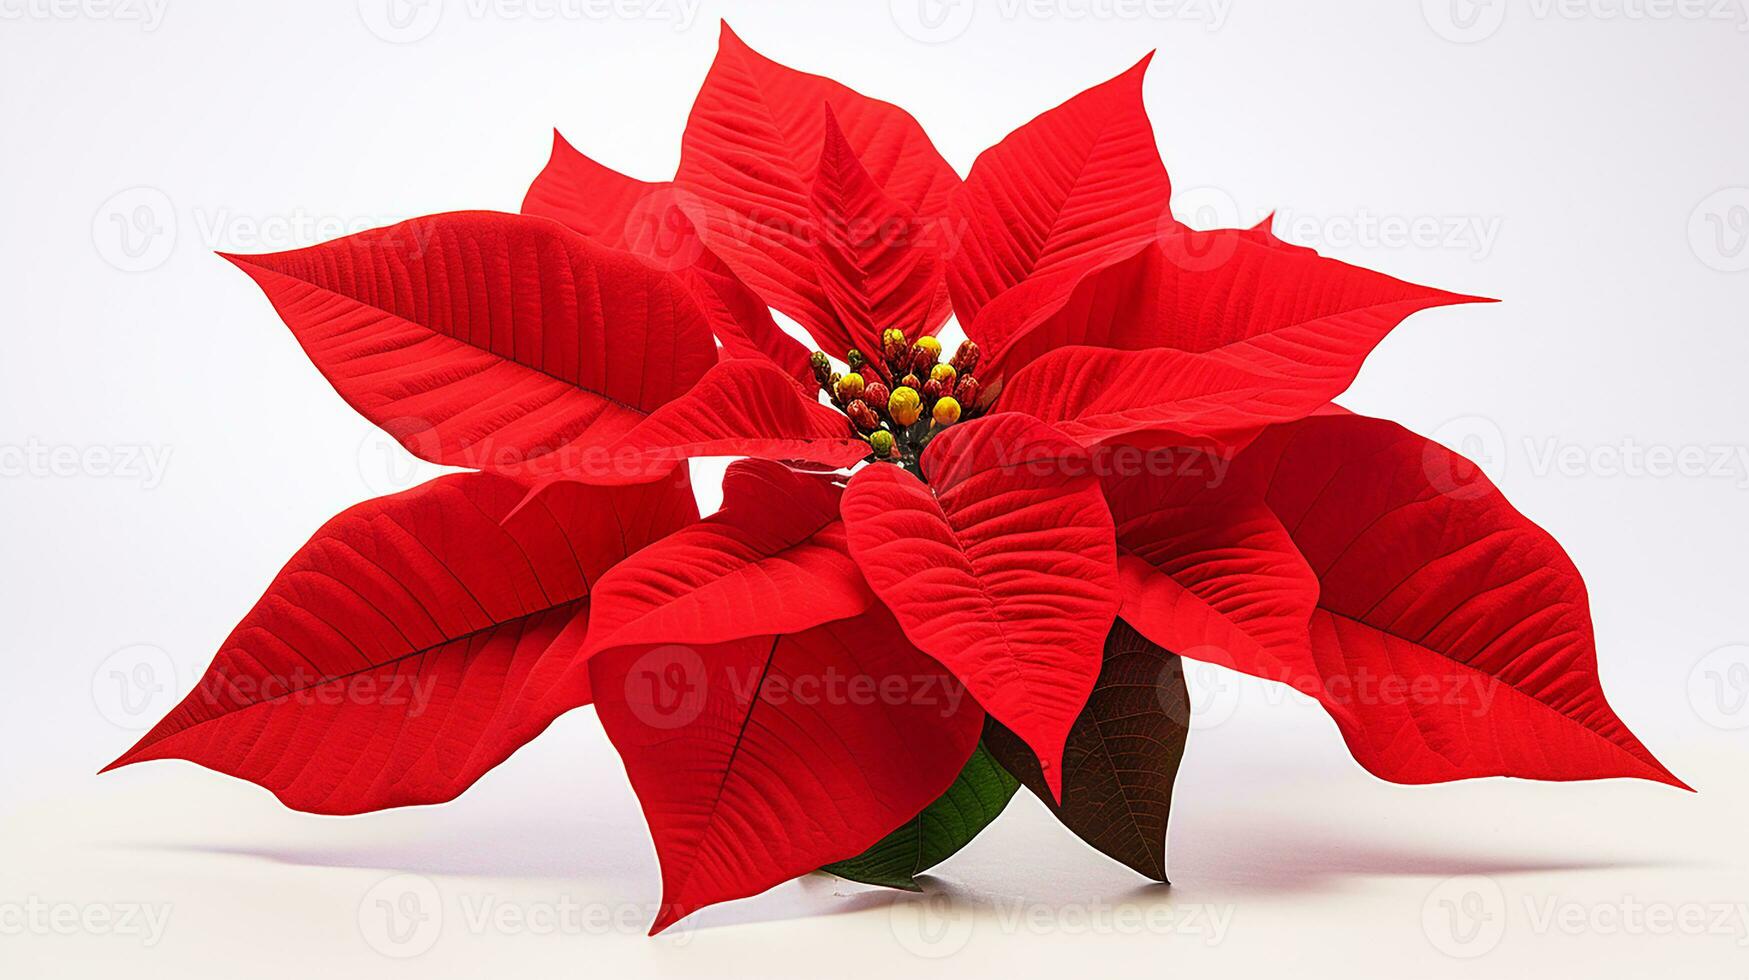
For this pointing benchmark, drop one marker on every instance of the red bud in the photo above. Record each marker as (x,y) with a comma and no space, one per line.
(966,392)
(862,415)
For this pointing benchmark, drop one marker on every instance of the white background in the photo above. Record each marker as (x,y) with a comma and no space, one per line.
(164,447)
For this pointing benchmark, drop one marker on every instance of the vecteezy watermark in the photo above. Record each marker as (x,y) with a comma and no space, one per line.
(1473,21)
(1718,230)
(1465,916)
(408,21)
(407,915)
(1487,445)
(1473,235)
(939,21)
(1471,915)
(1718,688)
(139,229)
(37,460)
(135,686)
(936,926)
(669,686)
(135,229)
(35,916)
(149,14)
(401,916)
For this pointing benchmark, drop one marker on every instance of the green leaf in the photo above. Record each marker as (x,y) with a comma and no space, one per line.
(931,837)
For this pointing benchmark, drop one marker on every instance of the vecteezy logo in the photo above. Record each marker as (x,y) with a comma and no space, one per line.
(1213,693)
(933,927)
(666,687)
(1464,21)
(134,686)
(1718,688)
(933,21)
(666,229)
(389,456)
(401,916)
(401,21)
(1718,230)
(1465,916)
(1479,445)
(135,230)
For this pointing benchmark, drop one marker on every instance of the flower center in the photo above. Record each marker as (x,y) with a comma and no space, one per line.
(899,399)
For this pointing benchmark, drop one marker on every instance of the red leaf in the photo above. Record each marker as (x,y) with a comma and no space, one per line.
(764,758)
(1453,636)
(1207,570)
(1279,311)
(874,259)
(491,341)
(656,221)
(1067,192)
(1006,573)
(752,150)
(413,644)
(1122,757)
(741,408)
(1093,394)
(772,561)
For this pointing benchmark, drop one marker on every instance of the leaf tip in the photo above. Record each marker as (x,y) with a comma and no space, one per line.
(667,915)
(1053,774)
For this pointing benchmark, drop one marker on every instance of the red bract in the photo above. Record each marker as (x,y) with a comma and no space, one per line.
(1007,542)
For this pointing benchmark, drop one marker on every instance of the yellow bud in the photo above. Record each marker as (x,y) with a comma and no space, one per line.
(943,373)
(850,387)
(882,444)
(905,405)
(947,412)
(931,346)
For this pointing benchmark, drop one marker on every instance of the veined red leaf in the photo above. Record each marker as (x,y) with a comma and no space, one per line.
(656,221)
(1122,757)
(1205,567)
(1006,572)
(763,758)
(875,260)
(1093,394)
(1068,191)
(772,561)
(752,151)
(491,341)
(1280,311)
(1452,637)
(741,408)
(414,643)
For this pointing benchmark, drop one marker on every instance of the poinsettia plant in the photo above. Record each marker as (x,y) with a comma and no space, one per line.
(937,574)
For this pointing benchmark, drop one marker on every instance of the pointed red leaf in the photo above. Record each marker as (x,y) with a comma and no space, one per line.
(414,643)
(741,408)
(1123,754)
(752,151)
(1453,636)
(1283,312)
(1006,572)
(1093,394)
(874,259)
(503,342)
(656,221)
(1206,569)
(764,758)
(1066,192)
(772,561)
